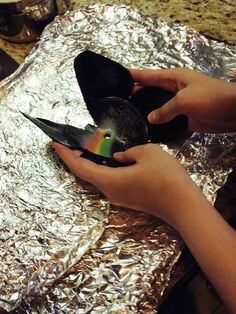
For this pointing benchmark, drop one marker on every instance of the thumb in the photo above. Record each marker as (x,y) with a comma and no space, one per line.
(165,113)
(130,156)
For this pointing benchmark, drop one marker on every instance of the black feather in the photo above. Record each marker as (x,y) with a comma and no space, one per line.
(150,98)
(100,77)
(67,135)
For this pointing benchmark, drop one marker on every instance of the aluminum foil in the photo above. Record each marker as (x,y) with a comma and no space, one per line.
(63,248)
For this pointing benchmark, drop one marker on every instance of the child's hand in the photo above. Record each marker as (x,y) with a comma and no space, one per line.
(153,181)
(209,103)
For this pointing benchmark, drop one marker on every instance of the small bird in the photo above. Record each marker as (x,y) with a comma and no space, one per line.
(120,117)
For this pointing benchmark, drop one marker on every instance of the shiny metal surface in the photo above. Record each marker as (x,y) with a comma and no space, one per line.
(24,20)
(63,248)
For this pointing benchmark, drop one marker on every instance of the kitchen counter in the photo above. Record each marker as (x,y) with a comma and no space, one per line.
(214,18)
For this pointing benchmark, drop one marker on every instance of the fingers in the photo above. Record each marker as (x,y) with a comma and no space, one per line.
(149,77)
(163,78)
(130,156)
(66,153)
(136,88)
(70,157)
(81,167)
(165,113)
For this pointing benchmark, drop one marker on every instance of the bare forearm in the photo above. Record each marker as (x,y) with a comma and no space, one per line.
(213,243)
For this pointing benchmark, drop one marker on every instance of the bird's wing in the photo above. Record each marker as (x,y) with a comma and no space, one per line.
(62,133)
(100,77)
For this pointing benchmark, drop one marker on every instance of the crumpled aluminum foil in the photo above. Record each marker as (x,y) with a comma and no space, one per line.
(63,248)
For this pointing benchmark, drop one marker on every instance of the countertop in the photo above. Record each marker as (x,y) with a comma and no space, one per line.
(214,18)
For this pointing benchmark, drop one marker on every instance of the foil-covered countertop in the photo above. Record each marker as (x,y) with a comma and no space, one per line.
(212,18)
(63,248)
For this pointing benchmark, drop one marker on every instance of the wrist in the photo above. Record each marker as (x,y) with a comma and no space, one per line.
(188,204)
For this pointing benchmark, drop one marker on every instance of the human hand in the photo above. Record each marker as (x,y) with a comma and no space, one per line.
(153,181)
(209,103)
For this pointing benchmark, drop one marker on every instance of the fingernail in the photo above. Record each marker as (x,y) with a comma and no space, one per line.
(152,117)
(53,144)
(117,154)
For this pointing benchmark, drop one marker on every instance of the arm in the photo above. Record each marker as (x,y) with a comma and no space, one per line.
(172,196)
(213,244)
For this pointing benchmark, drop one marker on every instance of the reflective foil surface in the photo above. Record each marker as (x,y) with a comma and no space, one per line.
(63,248)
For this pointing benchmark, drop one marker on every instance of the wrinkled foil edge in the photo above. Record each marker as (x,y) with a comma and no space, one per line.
(179,46)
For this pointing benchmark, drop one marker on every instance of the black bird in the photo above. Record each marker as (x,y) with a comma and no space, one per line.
(120,116)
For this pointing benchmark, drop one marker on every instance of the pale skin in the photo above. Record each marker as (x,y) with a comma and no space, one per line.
(170,194)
